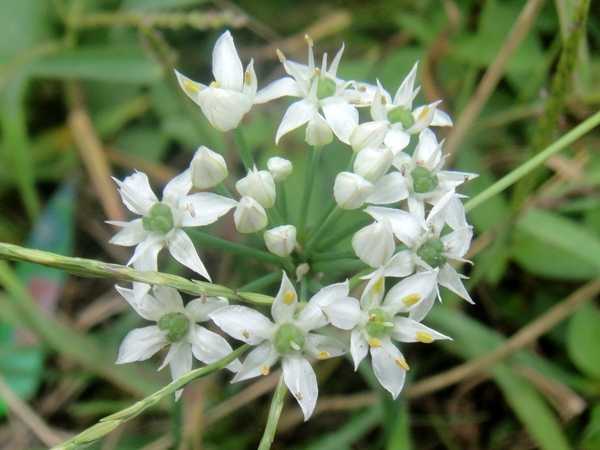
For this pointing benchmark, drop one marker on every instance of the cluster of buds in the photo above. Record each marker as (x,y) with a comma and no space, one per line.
(418,233)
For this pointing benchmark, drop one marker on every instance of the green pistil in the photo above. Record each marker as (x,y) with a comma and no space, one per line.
(288,339)
(379,324)
(423,180)
(175,324)
(159,219)
(432,252)
(325,88)
(402,115)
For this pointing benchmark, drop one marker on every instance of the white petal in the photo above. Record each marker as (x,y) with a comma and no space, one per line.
(258,362)
(145,255)
(341,116)
(449,278)
(145,305)
(449,180)
(400,265)
(168,297)
(204,208)
(374,290)
(250,81)
(285,303)
(210,347)
(132,233)
(323,347)
(224,108)
(140,344)
(390,188)
(457,243)
(179,359)
(311,317)
(296,115)
(182,249)
(406,91)
(226,64)
(428,152)
(189,86)
(249,216)
(416,207)
(368,134)
(279,88)
(136,193)
(243,323)
(408,330)
(396,139)
(330,293)
(404,225)
(421,309)
(441,119)
(410,291)
(381,98)
(387,361)
(374,244)
(332,69)
(358,347)
(343,313)
(423,116)
(178,187)
(200,309)
(318,132)
(301,381)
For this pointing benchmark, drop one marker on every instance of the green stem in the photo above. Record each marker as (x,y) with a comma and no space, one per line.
(314,239)
(309,178)
(94,268)
(109,423)
(282,202)
(262,282)
(512,177)
(245,153)
(274,414)
(339,265)
(335,238)
(328,256)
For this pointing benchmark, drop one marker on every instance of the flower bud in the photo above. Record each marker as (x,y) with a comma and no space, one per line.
(374,244)
(259,185)
(281,240)
(280,168)
(318,132)
(351,190)
(368,134)
(208,168)
(372,163)
(249,216)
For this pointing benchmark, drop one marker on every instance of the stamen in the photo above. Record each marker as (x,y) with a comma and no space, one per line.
(280,55)
(374,343)
(265,370)
(247,77)
(289,297)
(294,346)
(411,299)
(309,40)
(246,334)
(324,355)
(424,337)
(401,362)
(190,87)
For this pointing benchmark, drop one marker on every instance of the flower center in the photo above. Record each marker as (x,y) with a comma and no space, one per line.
(432,252)
(176,325)
(159,219)
(325,88)
(423,180)
(402,115)
(288,339)
(380,323)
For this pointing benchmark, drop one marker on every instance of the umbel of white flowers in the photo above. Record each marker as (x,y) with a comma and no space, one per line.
(419,232)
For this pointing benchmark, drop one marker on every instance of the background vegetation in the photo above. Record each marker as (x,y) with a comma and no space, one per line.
(86,91)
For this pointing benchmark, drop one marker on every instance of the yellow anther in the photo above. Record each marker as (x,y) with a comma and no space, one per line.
(265,370)
(280,55)
(289,297)
(401,362)
(411,299)
(423,113)
(379,285)
(190,87)
(247,77)
(324,355)
(309,40)
(374,343)
(424,337)
(246,334)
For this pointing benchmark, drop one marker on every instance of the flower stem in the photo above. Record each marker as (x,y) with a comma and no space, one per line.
(245,153)
(274,414)
(109,423)
(330,256)
(94,268)
(331,218)
(343,233)
(339,265)
(262,282)
(518,173)
(309,178)
(282,202)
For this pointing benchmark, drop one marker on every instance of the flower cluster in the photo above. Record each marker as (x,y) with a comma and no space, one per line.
(418,233)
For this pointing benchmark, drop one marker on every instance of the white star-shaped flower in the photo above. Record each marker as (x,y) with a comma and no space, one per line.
(176,327)
(288,337)
(231,95)
(162,221)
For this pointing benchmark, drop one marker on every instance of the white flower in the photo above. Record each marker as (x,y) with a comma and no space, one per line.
(208,168)
(281,240)
(375,324)
(395,120)
(249,216)
(280,168)
(227,99)
(430,244)
(324,107)
(351,190)
(372,163)
(176,327)
(162,222)
(259,185)
(289,338)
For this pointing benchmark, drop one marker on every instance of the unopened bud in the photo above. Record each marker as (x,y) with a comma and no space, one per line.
(373,163)
(368,134)
(281,240)
(351,190)
(208,168)
(249,216)
(280,168)
(259,185)
(318,132)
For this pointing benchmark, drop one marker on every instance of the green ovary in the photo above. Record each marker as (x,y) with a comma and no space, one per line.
(402,115)
(175,324)
(380,323)
(288,339)
(432,252)
(423,180)
(159,219)
(326,87)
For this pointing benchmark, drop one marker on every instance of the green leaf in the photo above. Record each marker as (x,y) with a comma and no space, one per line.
(107,63)
(591,436)
(24,23)
(551,245)
(582,340)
